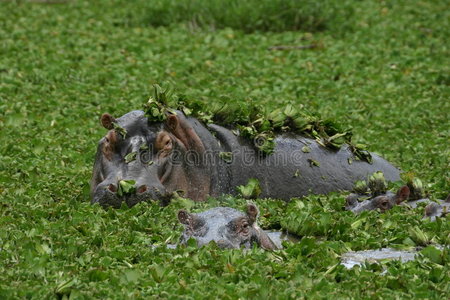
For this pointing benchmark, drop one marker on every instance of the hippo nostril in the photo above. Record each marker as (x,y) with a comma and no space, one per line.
(142,189)
(112,188)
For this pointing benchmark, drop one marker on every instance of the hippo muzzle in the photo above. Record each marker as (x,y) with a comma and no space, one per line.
(140,161)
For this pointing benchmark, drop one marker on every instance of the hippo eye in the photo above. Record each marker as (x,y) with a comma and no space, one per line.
(384,204)
(245,228)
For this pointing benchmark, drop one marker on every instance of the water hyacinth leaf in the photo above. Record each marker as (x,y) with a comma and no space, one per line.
(361,153)
(126,187)
(415,186)
(120,130)
(377,183)
(251,190)
(433,254)
(226,156)
(130,157)
(360,187)
(290,111)
(313,163)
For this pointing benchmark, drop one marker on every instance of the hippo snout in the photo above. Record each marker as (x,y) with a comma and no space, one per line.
(108,194)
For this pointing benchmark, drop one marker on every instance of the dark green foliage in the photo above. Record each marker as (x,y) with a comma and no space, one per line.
(250,15)
(63,65)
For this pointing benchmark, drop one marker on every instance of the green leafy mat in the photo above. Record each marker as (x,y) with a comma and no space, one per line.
(254,121)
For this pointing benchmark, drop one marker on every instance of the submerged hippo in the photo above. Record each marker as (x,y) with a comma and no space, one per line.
(227,227)
(382,202)
(138,160)
(358,203)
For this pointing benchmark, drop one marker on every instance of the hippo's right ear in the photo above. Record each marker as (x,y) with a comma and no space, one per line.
(179,126)
(402,194)
(252,212)
(107,121)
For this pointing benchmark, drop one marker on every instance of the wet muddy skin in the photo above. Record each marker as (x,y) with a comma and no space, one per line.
(357,258)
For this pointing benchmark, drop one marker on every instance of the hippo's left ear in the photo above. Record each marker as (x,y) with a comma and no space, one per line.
(107,121)
(252,212)
(402,194)
(179,126)
(190,220)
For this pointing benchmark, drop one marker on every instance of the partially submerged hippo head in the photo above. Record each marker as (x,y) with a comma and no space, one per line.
(227,227)
(382,202)
(137,161)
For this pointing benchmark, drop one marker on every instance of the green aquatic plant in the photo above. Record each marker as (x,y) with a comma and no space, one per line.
(252,121)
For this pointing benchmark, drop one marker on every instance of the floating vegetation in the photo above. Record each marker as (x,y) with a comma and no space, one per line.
(254,121)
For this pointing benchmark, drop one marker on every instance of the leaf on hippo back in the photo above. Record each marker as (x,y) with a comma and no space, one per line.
(313,163)
(297,173)
(377,183)
(126,187)
(415,186)
(120,130)
(143,147)
(290,111)
(130,157)
(360,152)
(251,190)
(306,149)
(226,156)
(265,142)
(360,187)
(337,140)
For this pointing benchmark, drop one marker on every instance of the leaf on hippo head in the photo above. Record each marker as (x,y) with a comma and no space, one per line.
(130,157)
(126,187)
(120,130)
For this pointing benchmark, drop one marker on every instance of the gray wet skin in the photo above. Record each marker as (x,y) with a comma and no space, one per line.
(286,173)
(227,227)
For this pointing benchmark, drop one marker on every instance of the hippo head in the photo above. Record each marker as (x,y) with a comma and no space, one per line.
(227,227)
(138,161)
(382,202)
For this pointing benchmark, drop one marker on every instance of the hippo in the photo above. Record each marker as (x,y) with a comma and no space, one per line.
(357,203)
(138,160)
(227,227)
(382,202)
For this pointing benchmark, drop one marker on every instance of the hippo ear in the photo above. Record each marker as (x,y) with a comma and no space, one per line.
(252,212)
(266,242)
(107,121)
(402,194)
(190,220)
(183,217)
(180,127)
